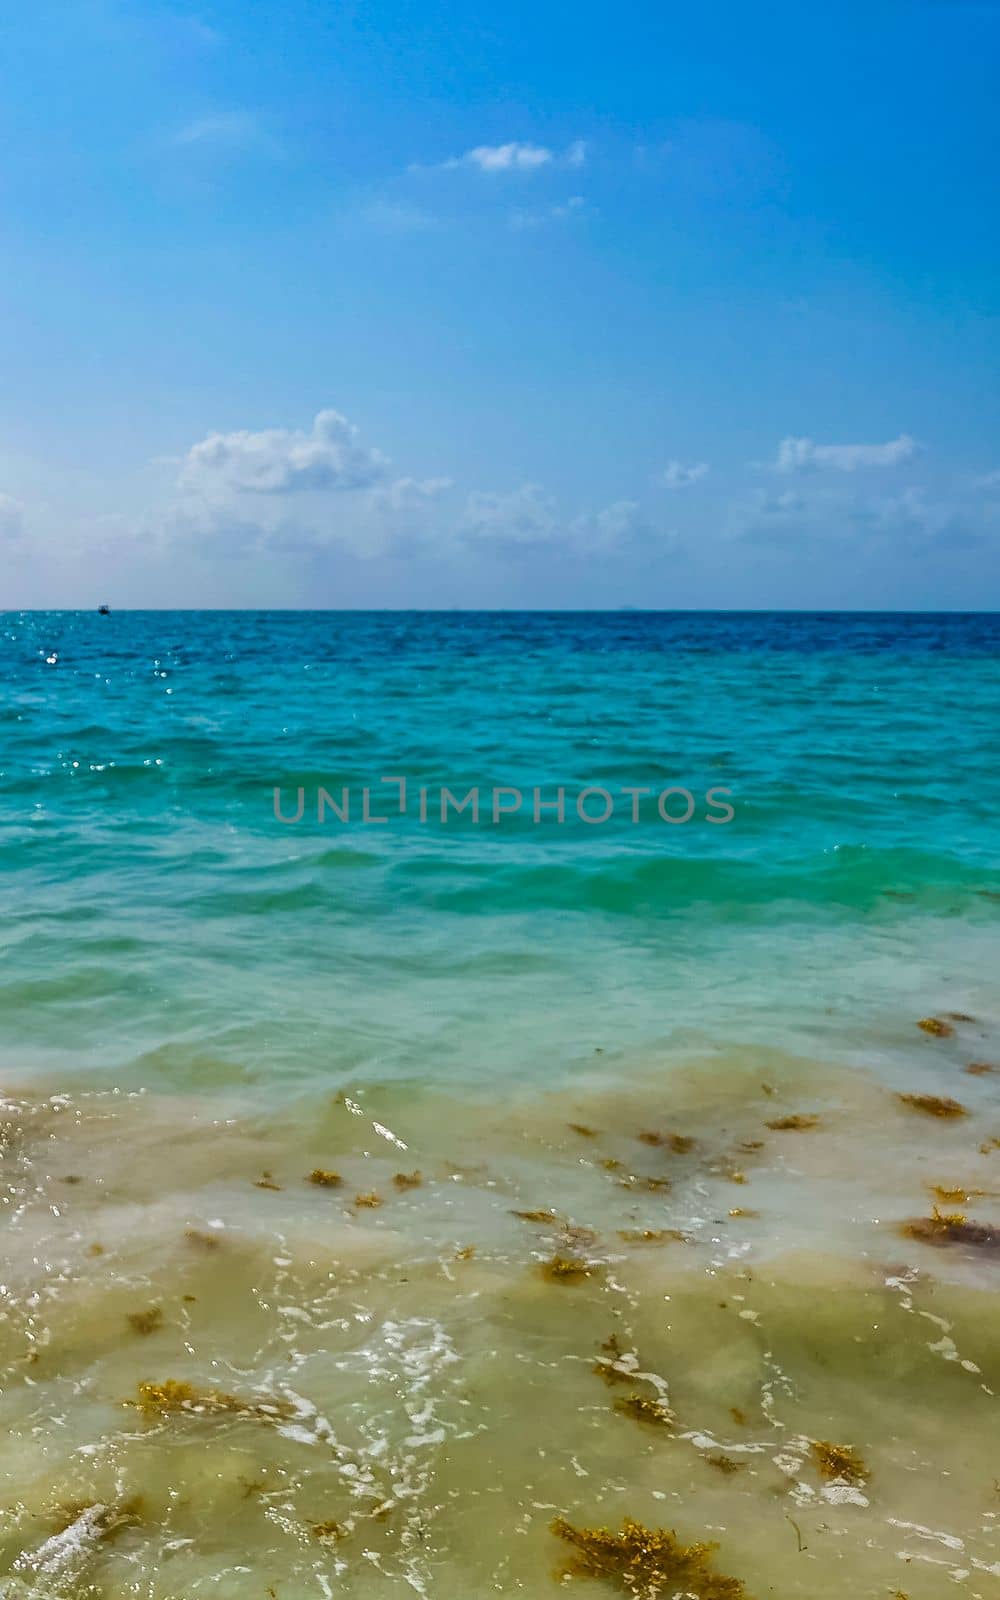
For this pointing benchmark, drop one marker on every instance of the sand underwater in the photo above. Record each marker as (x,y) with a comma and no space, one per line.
(378,1221)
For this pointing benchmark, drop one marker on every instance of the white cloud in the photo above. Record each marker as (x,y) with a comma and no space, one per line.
(513,157)
(11,517)
(407,494)
(677,475)
(517,155)
(282,460)
(801,455)
(529,517)
(524,516)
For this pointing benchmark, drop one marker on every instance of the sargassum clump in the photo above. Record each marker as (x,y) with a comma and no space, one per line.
(650,1563)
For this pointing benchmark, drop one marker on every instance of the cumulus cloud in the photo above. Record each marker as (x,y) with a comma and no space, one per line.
(11,517)
(802,455)
(408,494)
(283,461)
(678,475)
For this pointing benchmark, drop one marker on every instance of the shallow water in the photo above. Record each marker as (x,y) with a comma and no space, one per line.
(201,1007)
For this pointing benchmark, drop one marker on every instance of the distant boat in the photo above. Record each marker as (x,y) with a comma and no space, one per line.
(104,611)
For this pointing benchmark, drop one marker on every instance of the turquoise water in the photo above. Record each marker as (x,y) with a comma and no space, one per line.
(375,1193)
(160,927)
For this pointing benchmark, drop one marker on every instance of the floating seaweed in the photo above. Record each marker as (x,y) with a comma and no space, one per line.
(934,1105)
(990,1144)
(368,1202)
(979,1069)
(651,1235)
(725,1464)
(146,1322)
(610,1164)
(266,1181)
(935,1027)
(956,1196)
(324,1179)
(646,1562)
(952,1227)
(839,1462)
(162,1399)
(408,1180)
(649,1136)
(642,1409)
(797,1123)
(742,1211)
(751,1144)
(615,1366)
(959,1016)
(681,1143)
(738,1416)
(536,1216)
(327,1532)
(466,1253)
(582,1129)
(566,1269)
(652,1185)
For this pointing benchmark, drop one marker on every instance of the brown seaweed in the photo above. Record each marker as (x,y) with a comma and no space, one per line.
(979,1069)
(582,1129)
(368,1202)
(725,1464)
(952,1227)
(933,1105)
(204,1241)
(839,1462)
(797,1123)
(408,1180)
(652,1185)
(566,1269)
(162,1399)
(935,1027)
(146,1322)
(650,1563)
(324,1179)
(327,1532)
(266,1181)
(537,1216)
(642,1409)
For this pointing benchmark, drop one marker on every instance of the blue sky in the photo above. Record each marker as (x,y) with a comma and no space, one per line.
(425,304)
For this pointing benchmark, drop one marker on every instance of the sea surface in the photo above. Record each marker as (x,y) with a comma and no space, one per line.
(389,1191)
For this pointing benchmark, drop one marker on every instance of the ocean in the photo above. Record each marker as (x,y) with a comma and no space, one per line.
(473,1078)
